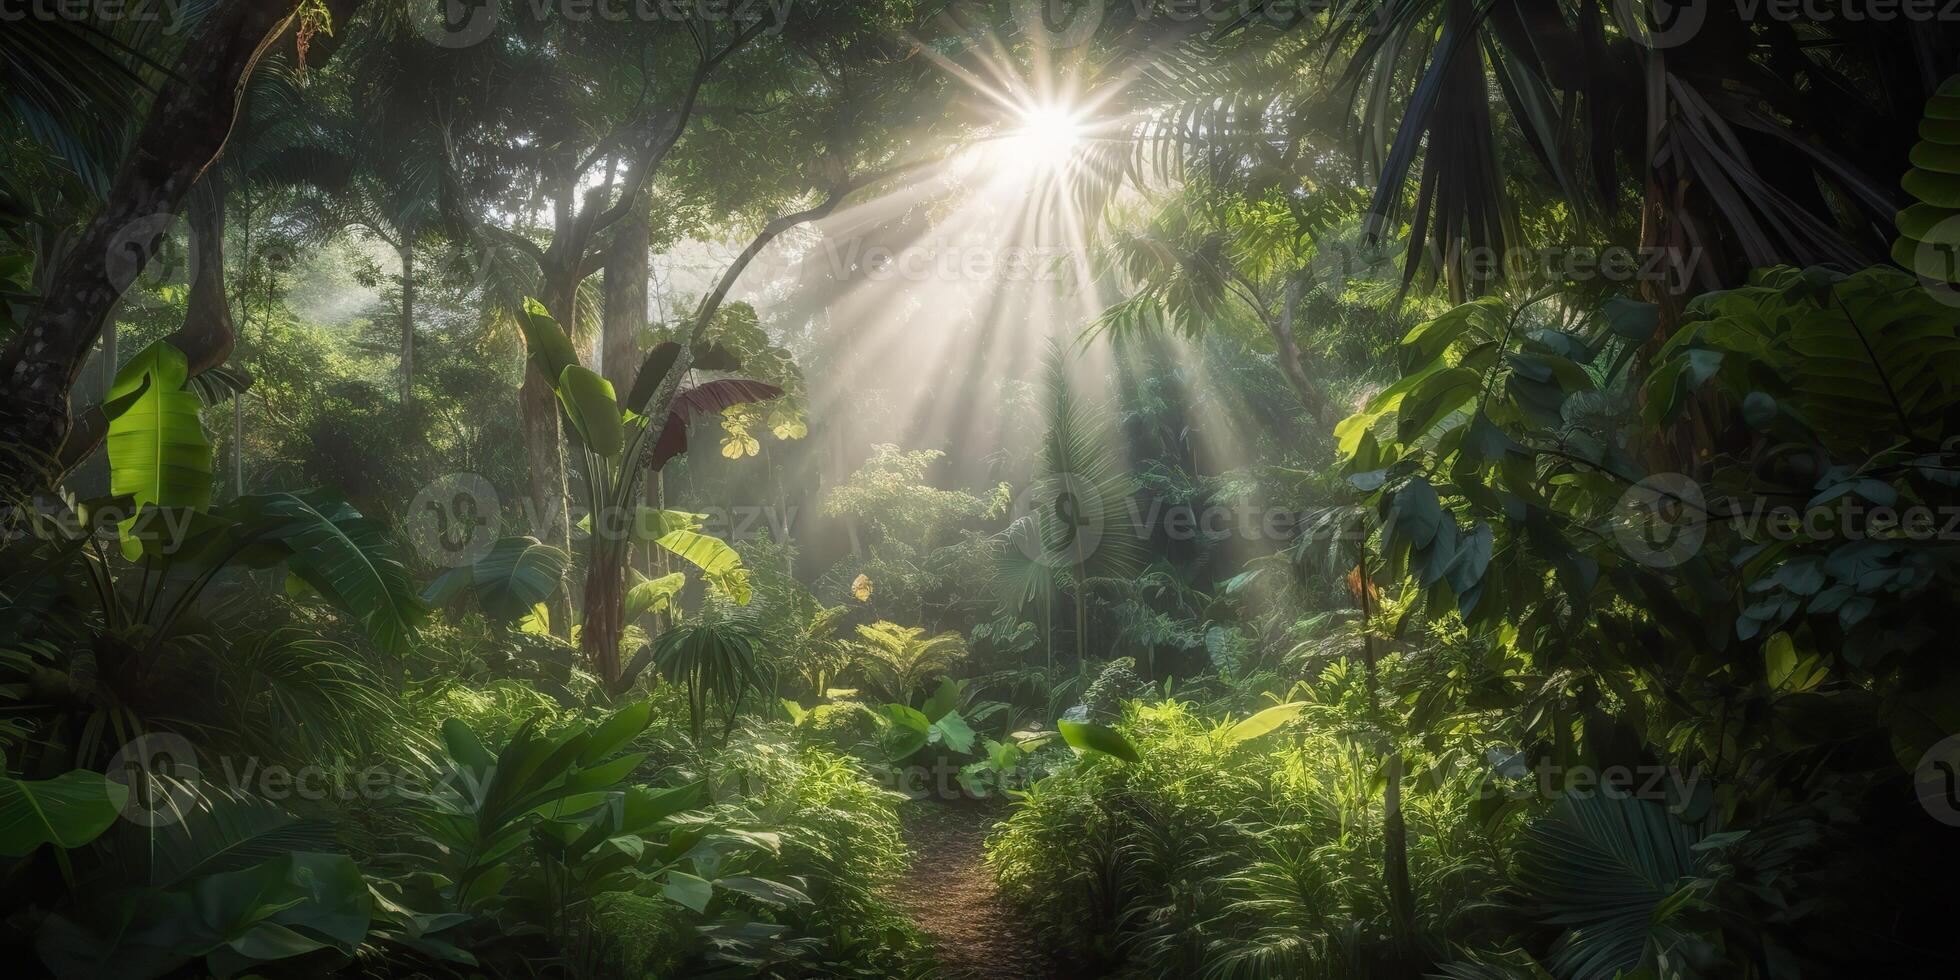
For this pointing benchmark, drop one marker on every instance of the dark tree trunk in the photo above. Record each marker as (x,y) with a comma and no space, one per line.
(185,131)
(207,334)
(604,608)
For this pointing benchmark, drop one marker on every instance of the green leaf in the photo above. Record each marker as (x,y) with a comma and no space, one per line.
(593,409)
(67,811)
(550,348)
(1435,399)
(653,595)
(1265,721)
(1601,865)
(943,699)
(1090,737)
(1632,319)
(347,557)
(718,562)
(1787,670)
(612,734)
(464,747)
(516,574)
(953,732)
(688,890)
(158,453)
(764,890)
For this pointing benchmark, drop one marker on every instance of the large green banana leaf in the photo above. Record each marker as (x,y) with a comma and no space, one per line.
(516,574)
(593,409)
(347,557)
(158,453)
(718,561)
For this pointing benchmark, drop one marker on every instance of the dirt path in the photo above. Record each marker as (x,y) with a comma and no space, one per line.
(952,898)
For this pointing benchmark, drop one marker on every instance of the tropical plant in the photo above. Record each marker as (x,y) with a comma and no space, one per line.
(617,445)
(1078,528)
(716,661)
(897,661)
(508,582)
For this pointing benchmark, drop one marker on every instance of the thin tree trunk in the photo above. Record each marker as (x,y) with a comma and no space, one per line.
(1311,395)
(604,608)
(1395,836)
(407,252)
(544,450)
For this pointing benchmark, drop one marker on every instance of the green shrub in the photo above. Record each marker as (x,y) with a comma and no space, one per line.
(1117,683)
(842,726)
(839,835)
(1216,856)
(643,937)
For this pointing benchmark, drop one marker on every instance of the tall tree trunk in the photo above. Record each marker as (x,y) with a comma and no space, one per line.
(407,252)
(1395,835)
(185,130)
(603,604)
(626,302)
(544,449)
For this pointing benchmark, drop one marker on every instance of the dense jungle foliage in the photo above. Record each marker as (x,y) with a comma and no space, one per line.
(979,488)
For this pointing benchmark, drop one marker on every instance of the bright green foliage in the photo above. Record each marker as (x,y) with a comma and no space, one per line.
(897,661)
(1215,855)
(158,453)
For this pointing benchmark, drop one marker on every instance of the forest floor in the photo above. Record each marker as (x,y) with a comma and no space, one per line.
(952,896)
